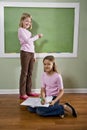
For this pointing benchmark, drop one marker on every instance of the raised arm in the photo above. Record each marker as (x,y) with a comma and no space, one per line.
(25,36)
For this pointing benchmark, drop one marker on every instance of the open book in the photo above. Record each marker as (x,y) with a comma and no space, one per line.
(36,102)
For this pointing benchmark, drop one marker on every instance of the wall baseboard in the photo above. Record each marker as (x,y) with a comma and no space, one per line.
(16,91)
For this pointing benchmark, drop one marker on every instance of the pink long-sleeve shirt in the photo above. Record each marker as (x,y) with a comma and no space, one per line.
(52,83)
(26,40)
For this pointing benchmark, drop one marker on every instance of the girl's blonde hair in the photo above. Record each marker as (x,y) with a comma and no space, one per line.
(23,17)
(52,59)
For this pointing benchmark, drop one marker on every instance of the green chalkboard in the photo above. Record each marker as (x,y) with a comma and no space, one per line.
(56,24)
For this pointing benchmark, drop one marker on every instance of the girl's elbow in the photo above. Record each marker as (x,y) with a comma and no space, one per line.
(62,91)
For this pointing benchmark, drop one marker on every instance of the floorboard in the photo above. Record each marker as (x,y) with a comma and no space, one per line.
(16,117)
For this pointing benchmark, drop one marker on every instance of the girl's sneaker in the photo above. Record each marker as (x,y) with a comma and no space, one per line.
(24,97)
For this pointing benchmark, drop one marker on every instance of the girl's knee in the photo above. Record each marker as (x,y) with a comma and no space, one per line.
(39,112)
(31,109)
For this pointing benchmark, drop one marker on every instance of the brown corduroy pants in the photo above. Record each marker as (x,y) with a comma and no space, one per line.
(27,61)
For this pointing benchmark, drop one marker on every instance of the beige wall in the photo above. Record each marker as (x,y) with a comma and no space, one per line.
(73,70)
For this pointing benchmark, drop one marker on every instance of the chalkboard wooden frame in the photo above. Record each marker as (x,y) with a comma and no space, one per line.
(41,5)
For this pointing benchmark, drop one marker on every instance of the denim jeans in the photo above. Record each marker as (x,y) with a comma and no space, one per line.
(55,110)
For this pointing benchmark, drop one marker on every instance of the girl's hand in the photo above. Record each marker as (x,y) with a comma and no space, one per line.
(52,103)
(40,35)
(34,59)
(43,101)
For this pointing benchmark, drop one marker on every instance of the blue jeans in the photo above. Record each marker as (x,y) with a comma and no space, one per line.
(55,110)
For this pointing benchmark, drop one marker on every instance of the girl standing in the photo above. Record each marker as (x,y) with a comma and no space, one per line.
(27,53)
(52,85)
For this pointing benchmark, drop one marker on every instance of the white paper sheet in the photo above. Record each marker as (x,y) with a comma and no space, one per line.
(36,102)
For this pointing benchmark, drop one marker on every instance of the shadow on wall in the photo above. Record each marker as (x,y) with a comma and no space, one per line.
(34,75)
(38,45)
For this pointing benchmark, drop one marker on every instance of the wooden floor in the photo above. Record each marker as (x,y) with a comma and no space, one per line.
(16,117)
